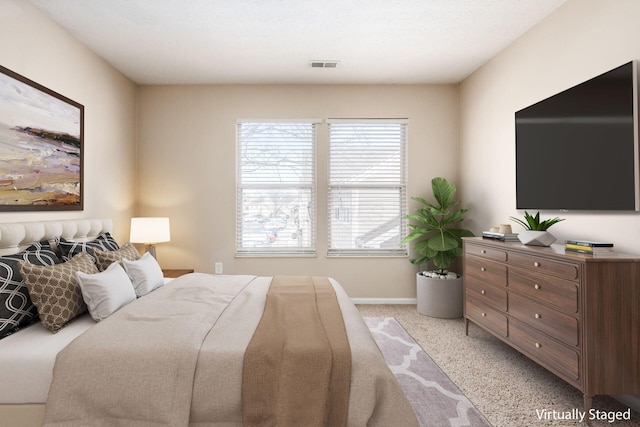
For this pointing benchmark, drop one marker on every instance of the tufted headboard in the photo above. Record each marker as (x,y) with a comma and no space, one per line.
(16,236)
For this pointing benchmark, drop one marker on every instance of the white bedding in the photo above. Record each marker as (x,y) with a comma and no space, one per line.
(27,358)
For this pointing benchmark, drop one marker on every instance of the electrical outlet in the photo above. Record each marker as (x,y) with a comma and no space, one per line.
(218,268)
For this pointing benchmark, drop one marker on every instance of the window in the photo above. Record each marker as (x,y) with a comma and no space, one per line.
(367,186)
(276,188)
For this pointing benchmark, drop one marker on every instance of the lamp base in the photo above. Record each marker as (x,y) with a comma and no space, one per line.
(152,250)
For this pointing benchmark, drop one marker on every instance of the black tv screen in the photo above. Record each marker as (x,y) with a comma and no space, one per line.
(578,150)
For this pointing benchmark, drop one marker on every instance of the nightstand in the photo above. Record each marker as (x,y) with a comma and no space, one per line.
(173,273)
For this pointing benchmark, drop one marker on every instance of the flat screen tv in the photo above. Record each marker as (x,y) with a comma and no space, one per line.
(578,150)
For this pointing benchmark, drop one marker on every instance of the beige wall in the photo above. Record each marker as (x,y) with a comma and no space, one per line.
(582,39)
(187,169)
(35,47)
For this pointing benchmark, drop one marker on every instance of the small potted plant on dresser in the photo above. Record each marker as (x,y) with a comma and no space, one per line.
(437,238)
(535,231)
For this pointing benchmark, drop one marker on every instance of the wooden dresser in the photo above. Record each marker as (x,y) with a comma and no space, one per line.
(576,315)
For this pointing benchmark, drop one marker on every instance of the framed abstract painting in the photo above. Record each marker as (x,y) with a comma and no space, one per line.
(41,147)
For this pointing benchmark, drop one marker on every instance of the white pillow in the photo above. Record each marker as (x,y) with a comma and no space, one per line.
(106,292)
(145,273)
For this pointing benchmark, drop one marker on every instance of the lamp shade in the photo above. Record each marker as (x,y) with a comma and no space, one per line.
(150,230)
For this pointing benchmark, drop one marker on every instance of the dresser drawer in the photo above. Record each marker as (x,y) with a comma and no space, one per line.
(561,326)
(483,291)
(490,271)
(486,252)
(545,350)
(557,292)
(486,316)
(544,265)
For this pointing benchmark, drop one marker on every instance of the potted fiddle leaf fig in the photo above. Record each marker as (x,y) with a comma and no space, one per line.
(437,238)
(535,230)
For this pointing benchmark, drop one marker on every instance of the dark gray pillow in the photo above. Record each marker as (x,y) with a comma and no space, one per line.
(16,308)
(68,249)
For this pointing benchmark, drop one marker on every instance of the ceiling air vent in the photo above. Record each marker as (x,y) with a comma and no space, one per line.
(324,64)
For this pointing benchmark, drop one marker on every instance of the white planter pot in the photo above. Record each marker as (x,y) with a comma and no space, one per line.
(440,298)
(536,238)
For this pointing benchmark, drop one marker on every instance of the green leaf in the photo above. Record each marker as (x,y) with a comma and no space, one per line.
(442,242)
(412,236)
(442,260)
(533,222)
(421,200)
(443,191)
(418,218)
(421,247)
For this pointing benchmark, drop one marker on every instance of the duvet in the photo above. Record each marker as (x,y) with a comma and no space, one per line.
(175,358)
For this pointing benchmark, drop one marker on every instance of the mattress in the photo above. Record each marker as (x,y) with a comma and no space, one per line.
(27,359)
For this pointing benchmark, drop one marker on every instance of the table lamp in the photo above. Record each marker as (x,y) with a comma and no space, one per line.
(150,230)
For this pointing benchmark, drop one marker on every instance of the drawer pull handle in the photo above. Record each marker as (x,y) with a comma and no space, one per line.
(538,345)
(483,269)
(482,251)
(537,316)
(536,264)
(484,314)
(483,292)
(536,286)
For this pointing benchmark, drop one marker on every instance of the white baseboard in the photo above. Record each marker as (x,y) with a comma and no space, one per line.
(384,301)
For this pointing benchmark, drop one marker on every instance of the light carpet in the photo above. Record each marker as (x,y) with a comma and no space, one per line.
(506,387)
(435,399)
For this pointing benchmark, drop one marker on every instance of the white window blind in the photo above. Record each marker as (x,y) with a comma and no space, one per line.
(367,186)
(276,188)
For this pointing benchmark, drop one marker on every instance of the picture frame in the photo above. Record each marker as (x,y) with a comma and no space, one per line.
(41,147)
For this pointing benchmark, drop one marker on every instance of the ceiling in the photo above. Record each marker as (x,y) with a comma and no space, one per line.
(274,41)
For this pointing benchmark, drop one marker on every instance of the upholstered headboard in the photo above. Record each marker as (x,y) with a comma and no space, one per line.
(16,236)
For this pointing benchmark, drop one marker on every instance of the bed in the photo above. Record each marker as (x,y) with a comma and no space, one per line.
(28,357)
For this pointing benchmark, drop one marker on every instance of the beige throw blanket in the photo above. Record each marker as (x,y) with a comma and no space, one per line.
(174,358)
(297,367)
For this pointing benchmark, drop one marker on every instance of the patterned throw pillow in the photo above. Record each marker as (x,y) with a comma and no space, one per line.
(55,291)
(105,258)
(16,308)
(69,249)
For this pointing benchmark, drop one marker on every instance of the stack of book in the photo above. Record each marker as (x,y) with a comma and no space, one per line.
(588,247)
(505,237)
